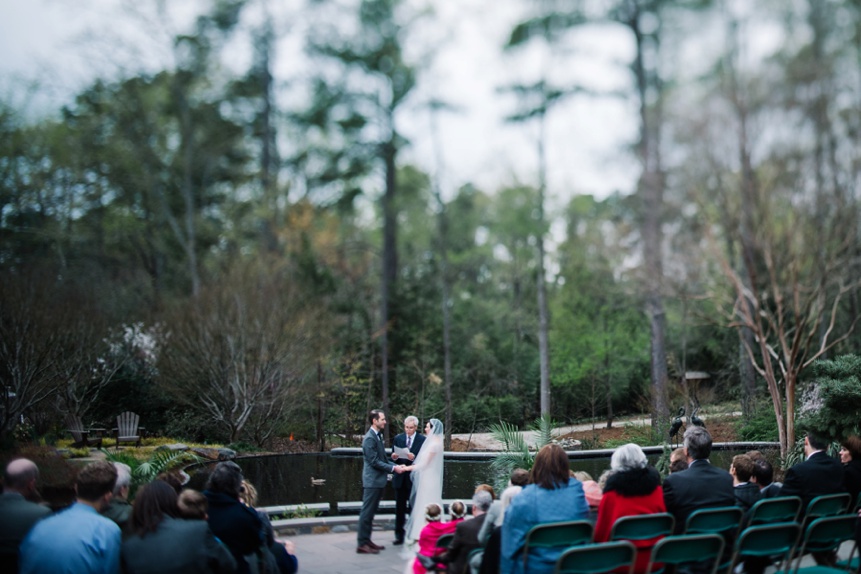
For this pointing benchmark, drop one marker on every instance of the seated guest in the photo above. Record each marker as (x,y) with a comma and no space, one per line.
(518,479)
(78,540)
(192,505)
(678,460)
(634,488)
(236,525)
(490,535)
(763,476)
(746,492)
(283,551)
(163,543)
(591,489)
(466,534)
(818,474)
(119,510)
(850,456)
(552,496)
(701,485)
(19,511)
(431,532)
(176,479)
(457,513)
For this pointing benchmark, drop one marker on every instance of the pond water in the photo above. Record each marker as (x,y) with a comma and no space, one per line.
(286,479)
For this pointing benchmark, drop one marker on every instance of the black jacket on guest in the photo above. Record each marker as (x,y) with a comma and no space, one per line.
(236,525)
(746,495)
(700,486)
(465,541)
(819,474)
(852,480)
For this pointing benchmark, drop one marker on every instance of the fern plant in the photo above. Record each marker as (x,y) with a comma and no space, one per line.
(144,471)
(516,452)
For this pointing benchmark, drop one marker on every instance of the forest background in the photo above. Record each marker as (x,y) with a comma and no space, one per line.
(231,263)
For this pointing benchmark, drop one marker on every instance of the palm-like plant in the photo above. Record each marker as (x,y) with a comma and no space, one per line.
(516,452)
(159,461)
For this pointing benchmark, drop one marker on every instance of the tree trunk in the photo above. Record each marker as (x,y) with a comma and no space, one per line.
(543,312)
(651,191)
(390,266)
(445,287)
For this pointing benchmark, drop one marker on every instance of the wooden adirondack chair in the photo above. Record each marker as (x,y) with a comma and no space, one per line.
(127,428)
(82,436)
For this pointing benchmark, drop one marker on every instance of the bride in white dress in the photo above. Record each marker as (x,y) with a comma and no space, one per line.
(427,478)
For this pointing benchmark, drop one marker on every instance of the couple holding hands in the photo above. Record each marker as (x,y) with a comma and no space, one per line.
(417,467)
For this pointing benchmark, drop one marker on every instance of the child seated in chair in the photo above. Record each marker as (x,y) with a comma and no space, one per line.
(432,532)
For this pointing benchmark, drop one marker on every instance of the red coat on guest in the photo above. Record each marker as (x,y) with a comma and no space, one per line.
(630,493)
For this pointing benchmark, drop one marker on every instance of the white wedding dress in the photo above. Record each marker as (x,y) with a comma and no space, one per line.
(427,480)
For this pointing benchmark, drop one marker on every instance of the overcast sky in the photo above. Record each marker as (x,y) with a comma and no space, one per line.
(61,45)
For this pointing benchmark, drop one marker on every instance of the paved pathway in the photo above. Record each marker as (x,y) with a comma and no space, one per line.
(335,553)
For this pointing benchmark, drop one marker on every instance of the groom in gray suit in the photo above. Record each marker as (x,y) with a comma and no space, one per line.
(374,474)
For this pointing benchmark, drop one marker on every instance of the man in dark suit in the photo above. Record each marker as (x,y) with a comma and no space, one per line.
(466,535)
(18,513)
(374,475)
(403,483)
(819,474)
(701,485)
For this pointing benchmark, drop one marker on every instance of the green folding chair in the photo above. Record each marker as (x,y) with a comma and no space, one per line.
(772,542)
(597,558)
(686,549)
(556,535)
(825,535)
(827,505)
(430,565)
(444,541)
(643,526)
(777,509)
(725,521)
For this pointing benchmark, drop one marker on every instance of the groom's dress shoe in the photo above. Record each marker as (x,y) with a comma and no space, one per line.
(376,547)
(398,542)
(367,549)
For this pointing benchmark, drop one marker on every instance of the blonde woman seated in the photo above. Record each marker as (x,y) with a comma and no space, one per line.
(435,528)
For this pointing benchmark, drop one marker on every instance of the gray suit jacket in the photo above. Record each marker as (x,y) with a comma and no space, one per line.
(377,467)
(17,517)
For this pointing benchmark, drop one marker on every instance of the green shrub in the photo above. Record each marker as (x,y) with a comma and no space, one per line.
(637,434)
(242,446)
(831,398)
(762,426)
(79,452)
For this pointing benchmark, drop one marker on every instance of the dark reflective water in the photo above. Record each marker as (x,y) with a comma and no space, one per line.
(286,479)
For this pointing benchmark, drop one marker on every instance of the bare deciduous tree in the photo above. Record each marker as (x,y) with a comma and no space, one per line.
(239,352)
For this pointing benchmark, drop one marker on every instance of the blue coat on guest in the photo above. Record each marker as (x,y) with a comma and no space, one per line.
(536,505)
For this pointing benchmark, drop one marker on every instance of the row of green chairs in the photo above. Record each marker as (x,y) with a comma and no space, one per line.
(728,520)
(781,543)
(621,554)
(725,522)
(580,533)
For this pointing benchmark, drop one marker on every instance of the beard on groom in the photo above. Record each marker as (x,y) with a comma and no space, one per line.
(402,483)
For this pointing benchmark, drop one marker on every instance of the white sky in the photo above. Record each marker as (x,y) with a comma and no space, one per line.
(61,45)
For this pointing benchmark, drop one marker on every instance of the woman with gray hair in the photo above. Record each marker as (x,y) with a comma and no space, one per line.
(633,488)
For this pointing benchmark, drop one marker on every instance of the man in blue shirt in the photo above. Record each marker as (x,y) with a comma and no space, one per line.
(78,540)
